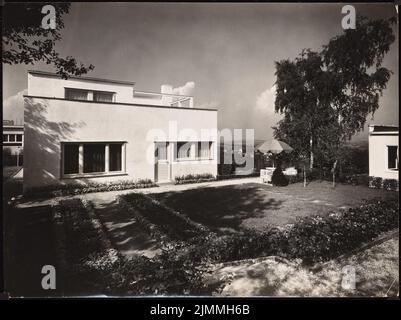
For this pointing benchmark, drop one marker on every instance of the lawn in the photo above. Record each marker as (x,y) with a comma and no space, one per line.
(230,209)
(376,274)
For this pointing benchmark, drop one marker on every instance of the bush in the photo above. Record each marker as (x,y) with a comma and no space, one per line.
(356,179)
(194,178)
(75,189)
(390,184)
(375,182)
(278,178)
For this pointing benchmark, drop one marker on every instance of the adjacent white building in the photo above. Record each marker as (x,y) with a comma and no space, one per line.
(13,143)
(86,129)
(383,151)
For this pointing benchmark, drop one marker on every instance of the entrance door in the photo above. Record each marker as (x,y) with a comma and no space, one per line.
(162,163)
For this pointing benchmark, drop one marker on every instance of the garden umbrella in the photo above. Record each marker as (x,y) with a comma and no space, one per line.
(274,146)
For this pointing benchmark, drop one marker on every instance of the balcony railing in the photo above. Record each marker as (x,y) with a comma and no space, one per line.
(163,99)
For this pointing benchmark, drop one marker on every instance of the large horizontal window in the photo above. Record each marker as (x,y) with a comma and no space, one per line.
(194,150)
(93,158)
(90,95)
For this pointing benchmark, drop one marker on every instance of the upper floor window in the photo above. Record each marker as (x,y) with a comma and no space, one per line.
(19,137)
(76,94)
(103,96)
(392,153)
(90,95)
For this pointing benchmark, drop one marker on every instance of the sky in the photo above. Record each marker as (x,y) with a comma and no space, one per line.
(222,53)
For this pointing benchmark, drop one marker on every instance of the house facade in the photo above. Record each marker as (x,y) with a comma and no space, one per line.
(89,130)
(13,143)
(383,152)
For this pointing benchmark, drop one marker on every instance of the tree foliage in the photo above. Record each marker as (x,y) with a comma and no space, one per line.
(25,41)
(326,96)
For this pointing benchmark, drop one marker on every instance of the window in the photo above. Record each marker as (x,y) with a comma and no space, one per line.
(90,95)
(19,137)
(392,152)
(115,157)
(90,158)
(94,158)
(103,96)
(204,150)
(183,150)
(11,137)
(76,94)
(5,137)
(71,158)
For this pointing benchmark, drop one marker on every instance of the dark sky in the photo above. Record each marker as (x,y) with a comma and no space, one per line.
(227,50)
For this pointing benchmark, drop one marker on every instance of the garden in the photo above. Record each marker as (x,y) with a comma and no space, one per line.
(195,230)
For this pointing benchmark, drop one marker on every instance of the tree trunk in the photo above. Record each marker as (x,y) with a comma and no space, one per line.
(311,152)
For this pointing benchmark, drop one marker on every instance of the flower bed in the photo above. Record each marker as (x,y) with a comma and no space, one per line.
(92,266)
(75,189)
(194,178)
(161,220)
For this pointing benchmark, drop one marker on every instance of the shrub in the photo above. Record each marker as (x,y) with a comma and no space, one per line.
(356,179)
(278,178)
(390,184)
(194,178)
(75,189)
(375,182)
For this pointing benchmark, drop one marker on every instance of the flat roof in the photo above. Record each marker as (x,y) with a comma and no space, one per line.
(119,103)
(373,128)
(52,74)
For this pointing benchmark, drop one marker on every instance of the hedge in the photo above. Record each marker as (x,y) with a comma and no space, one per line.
(380,183)
(194,178)
(76,189)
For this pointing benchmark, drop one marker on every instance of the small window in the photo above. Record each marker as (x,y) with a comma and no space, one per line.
(71,158)
(204,150)
(19,137)
(76,94)
(392,152)
(115,157)
(11,137)
(183,150)
(94,158)
(103,96)
(5,137)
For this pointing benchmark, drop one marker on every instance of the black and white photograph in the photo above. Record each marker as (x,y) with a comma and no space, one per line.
(200,150)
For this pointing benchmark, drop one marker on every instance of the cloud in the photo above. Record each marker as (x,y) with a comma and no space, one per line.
(265,101)
(13,107)
(185,90)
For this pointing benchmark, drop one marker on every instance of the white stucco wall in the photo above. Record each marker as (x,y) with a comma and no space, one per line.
(45,86)
(48,122)
(378,156)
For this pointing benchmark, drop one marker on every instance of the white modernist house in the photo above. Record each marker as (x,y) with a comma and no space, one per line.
(383,151)
(89,130)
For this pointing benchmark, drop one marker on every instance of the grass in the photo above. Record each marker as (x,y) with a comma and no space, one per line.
(232,209)
(376,270)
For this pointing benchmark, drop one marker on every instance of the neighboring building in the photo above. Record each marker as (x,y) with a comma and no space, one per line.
(383,152)
(13,143)
(84,130)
